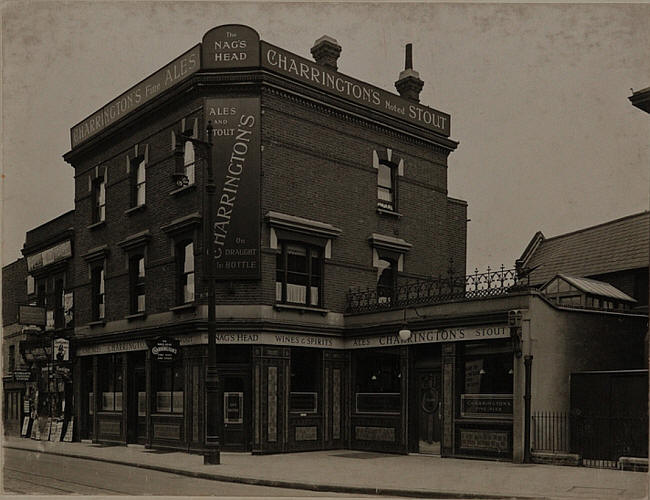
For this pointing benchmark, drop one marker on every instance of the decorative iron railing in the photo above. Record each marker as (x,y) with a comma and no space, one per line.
(437,289)
(550,432)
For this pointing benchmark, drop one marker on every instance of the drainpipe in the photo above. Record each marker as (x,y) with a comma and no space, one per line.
(528,362)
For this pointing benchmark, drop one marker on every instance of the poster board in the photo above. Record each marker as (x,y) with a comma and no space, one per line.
(57,430)
(68,432)
(36,430)
(48,430)
(25,430)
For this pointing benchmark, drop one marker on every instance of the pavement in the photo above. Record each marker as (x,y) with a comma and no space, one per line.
(355,472)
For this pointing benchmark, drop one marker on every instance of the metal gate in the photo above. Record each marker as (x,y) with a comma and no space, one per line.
(609,416)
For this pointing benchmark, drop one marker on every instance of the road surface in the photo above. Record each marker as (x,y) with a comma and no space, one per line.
(26,472)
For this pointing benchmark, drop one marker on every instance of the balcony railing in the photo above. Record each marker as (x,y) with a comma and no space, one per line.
(436,290)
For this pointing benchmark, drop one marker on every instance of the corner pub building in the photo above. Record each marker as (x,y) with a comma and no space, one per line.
(331,216)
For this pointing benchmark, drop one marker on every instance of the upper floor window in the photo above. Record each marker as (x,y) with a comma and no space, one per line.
(386,276)
(99,199)
(137,283)
(185,263)
(299,270)
(138,182)
(188,161)
(386,186)
(50,294)
(97,285)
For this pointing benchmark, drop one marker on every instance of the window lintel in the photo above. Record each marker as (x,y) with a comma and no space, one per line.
(301,225)
(96,254)
(182,223)
(135,241)
(382,242)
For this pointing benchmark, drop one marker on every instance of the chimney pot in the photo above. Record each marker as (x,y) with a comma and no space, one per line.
(326,51)
(409,84)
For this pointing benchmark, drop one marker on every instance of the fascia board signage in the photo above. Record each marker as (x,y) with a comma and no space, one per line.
(171,74)
(230,46)
(49,256)
(298,68)
(236,159)
(165,349)
(31,315)
(454,334)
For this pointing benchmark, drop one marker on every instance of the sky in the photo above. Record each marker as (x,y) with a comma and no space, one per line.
(538,96)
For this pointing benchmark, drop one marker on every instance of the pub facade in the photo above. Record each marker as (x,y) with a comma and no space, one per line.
(342,306)
(323,182)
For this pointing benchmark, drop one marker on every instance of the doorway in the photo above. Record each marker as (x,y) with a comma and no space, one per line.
(429,411)
(236,412)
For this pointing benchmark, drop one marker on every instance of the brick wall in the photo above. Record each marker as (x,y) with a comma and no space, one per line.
(315,165)
(14,290)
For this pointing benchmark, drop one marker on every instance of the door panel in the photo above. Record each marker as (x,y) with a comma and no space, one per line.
(429,412)
(235,412)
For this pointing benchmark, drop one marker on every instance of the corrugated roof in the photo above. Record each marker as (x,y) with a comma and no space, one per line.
(613,246)
(595,287)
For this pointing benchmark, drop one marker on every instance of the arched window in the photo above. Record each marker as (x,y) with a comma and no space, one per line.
(139,185)
(188,161)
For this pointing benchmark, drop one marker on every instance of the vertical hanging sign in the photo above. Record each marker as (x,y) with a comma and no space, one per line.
(236,159)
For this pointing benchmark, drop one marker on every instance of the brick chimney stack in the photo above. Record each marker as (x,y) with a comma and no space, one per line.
(326,51)
(409,84)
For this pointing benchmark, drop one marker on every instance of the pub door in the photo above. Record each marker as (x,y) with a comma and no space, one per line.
(429,411)
(236,412)
(137,404)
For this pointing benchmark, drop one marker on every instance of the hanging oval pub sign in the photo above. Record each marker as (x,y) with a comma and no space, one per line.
(165,349)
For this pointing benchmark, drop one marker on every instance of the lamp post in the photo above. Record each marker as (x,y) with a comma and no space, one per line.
(212,454)
(211,449)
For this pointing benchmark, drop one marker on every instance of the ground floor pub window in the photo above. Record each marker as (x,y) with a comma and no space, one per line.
(486,391)
(377,382)
(110,378)
(305,380)
(169,387)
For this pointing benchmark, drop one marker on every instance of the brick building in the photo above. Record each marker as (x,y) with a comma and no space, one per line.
(323,183)
(14,292)
(38,321)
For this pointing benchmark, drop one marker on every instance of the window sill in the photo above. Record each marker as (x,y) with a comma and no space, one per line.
(190,306)
(385,211)
(95,225)
(302,309)
(184,189)
(135,209)
(134,316)
(99,322)
(167,414)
